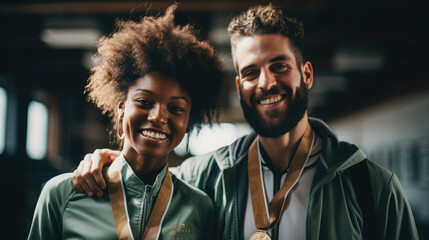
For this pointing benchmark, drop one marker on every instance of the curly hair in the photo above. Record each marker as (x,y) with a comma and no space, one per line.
(155,43)
(267,19)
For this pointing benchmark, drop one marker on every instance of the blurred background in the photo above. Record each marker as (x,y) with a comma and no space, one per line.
(370,61)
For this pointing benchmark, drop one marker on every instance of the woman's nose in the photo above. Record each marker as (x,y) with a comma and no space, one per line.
(158,114)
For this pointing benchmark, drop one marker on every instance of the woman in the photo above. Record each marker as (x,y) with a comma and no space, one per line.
(156,80)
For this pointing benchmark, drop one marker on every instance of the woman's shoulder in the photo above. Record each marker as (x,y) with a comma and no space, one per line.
(59,188)
(59,181)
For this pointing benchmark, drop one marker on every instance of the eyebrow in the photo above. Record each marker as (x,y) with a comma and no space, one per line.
(280,58)
(179,97)
(153,94)
(274,59)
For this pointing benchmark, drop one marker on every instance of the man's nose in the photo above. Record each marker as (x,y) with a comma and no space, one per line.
(158,114)
(266,79)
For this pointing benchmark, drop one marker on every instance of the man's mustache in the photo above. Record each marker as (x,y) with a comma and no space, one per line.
(275,90)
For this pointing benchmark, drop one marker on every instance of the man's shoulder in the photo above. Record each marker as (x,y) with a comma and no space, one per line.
(382,181)
(382,178)
(206,161)
(225,157)
(198,170)
(204,170)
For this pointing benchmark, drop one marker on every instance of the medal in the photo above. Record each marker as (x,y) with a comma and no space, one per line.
(119,209)
(267,217)
(260,235)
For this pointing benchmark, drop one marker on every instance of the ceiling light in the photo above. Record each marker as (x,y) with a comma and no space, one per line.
(71,38)
(358,59)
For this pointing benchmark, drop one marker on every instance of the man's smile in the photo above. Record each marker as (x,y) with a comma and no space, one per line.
(270,99)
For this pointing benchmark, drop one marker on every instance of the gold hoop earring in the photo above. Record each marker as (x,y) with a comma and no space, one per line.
(118,120)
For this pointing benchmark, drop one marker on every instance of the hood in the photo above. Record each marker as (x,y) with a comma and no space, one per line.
(336,155)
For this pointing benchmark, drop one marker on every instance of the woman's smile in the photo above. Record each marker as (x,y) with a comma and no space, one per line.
(154,134)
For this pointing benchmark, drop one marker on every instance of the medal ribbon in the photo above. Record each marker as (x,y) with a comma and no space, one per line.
(119,206)
(278,203)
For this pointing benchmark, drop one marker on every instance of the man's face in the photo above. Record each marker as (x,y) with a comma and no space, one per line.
(272,88)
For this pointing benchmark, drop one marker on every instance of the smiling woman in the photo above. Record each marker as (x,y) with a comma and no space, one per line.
(156,81)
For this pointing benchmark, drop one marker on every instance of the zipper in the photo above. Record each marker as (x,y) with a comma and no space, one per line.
(320,182)
(145,204)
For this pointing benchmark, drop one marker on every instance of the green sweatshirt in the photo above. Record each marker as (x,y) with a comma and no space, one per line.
(64,213)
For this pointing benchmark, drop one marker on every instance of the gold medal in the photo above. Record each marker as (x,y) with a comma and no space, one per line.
(260,235)
(268,218)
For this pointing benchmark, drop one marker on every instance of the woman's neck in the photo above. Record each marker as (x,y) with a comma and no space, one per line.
(144,167)
(150,177)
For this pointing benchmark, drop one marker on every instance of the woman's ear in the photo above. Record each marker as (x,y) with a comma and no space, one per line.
(121,106)
(120,110)
(119,116)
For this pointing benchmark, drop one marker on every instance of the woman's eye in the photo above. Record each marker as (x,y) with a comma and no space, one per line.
(177,109)
(144,102)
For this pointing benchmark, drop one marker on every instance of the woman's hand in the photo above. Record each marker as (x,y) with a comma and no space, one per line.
(88,176)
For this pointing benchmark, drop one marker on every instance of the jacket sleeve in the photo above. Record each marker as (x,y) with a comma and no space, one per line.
(397,218)
(200,171)
(47,220)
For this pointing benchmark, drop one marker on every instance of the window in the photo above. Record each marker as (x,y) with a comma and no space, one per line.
(212,138)
(37,130)
(3,108)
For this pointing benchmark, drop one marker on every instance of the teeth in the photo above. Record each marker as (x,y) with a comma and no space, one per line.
(271,100)
(155,135)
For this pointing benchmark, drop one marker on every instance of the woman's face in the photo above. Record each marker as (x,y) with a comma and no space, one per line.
(156,116)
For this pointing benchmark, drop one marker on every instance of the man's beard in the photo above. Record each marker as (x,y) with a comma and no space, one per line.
(286,120)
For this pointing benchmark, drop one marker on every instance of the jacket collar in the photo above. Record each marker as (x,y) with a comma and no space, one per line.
(336,155)
(133,183)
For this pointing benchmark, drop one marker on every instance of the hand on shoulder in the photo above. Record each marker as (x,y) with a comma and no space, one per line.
(88,176)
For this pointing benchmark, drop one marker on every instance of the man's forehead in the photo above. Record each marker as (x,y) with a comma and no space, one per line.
(262,49)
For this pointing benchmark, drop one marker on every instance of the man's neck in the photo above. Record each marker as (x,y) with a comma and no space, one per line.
(281,150)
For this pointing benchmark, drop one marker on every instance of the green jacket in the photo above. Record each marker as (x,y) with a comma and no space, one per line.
(333,210)
(64,213)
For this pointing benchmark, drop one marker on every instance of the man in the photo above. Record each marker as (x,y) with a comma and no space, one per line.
(292,179)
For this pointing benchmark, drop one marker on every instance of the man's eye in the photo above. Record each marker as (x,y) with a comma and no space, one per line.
(279,67)
(250,73)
